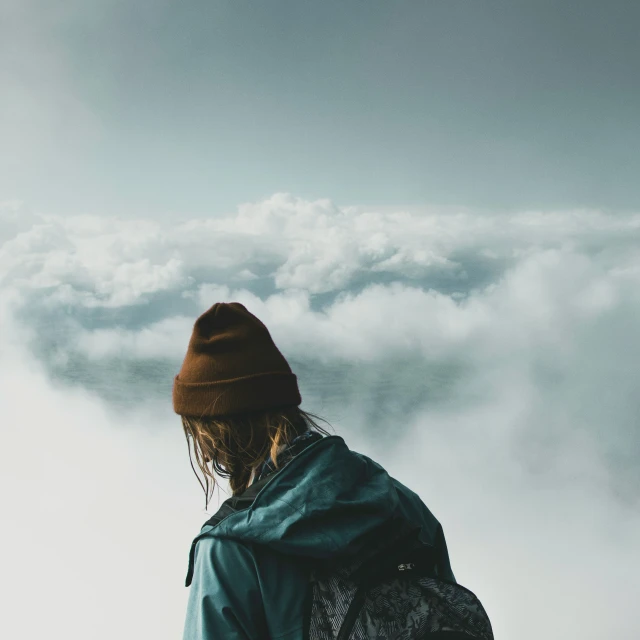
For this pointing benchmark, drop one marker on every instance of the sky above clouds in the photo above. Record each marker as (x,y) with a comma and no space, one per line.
(433,206)
(165,108)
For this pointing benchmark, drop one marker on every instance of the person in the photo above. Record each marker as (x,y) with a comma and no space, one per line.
(301,501)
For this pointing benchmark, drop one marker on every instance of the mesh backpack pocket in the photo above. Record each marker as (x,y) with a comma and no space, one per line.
(402,602)
(408,609)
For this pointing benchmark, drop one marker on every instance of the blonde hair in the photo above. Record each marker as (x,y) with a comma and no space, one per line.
(233,446)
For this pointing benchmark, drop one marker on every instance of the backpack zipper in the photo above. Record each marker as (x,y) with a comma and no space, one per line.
(352,613)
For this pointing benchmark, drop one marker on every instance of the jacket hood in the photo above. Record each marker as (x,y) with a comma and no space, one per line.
(326,502)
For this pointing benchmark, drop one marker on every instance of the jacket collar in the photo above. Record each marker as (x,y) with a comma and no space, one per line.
(245,499)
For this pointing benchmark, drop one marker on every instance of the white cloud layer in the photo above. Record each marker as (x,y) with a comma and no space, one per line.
(489,361)
(312,246)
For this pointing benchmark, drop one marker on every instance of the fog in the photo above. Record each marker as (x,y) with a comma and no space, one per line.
(491,362)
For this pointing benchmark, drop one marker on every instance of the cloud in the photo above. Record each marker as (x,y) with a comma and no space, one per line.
(90,261)
(94,539)
(488,361)
(290,243)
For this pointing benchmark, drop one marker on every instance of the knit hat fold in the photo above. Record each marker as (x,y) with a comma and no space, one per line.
(232,366)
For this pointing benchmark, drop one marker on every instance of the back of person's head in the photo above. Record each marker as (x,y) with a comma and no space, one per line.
(237,396)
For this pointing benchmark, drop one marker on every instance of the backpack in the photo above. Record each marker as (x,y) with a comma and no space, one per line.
(394,594)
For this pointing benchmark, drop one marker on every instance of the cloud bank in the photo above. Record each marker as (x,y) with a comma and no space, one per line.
(490,361)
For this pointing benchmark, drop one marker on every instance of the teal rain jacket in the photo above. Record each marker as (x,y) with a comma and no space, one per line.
(249,567)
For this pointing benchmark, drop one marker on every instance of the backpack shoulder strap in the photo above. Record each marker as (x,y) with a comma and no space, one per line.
(232,505)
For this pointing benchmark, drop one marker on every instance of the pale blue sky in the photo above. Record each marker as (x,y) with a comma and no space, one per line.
(193,107)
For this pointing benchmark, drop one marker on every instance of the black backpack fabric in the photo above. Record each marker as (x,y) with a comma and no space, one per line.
(395,594)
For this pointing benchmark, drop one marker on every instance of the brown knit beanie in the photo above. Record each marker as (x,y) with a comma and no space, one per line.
(232,366)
